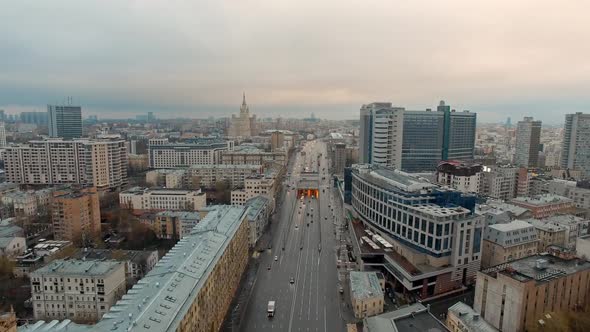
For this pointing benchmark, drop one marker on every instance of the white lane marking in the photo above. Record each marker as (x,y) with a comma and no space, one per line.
(325,321)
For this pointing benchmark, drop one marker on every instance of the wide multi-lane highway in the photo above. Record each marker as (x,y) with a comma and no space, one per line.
(303,249)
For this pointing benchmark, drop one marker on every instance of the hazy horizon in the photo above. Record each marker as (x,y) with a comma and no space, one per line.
(190,59)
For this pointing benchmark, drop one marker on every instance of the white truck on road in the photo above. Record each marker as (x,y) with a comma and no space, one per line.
(271,308)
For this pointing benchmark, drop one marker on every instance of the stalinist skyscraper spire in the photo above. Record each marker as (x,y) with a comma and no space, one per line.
(243,125)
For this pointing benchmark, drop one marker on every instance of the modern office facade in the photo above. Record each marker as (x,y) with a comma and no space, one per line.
(433,233)
(64,121)
(190,289)
(100,163)
(204,151)
(528,139)
(426,137)
(575,153)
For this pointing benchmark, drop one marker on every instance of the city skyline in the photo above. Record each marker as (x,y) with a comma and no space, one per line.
(491,61)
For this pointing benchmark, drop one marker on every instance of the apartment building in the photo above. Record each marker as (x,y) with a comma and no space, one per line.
(137,262)
(514,296)
(427,238)
(143,199)
(77,290)
(507,242)
(249,155)
(259,209)
(499,182)
(75,215)
(265,185)
(571,190)
(100,163)
(192,286)
(457,175)
(166,154)
(544,206)
(234,175)
(548,234)
(172,224)
(28,203)
(575,152)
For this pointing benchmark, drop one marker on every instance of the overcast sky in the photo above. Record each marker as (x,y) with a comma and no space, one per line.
(194,58)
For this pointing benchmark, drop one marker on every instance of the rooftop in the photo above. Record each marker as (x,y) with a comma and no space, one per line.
(542,200)
(497,207)
(511,226)
(540,268)
(393,179)
(136,256)
(180,214)
(160,300)
(10,230)
(226,166)
(411,318)
(160,191)
(78,267)
(545,226)
(256,204)
(364,285)
(470,318)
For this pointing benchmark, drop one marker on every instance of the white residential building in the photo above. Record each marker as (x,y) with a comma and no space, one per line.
(459,176)
(254,186)
(99,163)
(203,151)
(143,199)
(77,290)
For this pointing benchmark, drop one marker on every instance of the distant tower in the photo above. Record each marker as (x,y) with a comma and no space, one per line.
(2,135)
(508,123)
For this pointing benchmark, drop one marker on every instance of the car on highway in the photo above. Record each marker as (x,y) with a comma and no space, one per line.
(268,267)
(276,258)
(291,280)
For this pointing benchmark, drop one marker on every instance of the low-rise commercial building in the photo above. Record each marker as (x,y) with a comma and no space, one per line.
(12,246)
(571,190)
(544,206)
(515,295)
(506,242)
(81,291)
(143,199)
(411,318)
(190,289)
(366,294)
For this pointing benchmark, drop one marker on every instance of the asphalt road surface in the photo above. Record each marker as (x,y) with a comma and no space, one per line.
(305,231)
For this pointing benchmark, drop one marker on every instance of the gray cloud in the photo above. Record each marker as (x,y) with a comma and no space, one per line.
(117,57)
